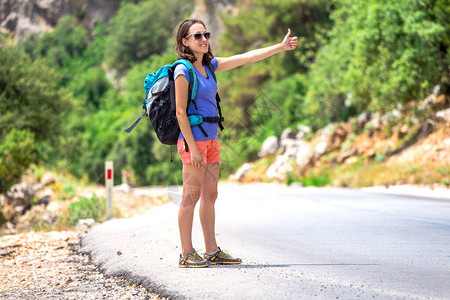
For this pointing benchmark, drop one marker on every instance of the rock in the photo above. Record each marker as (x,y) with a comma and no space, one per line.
(288,134)
(84,224)
(320,149)
(351,160)
(330,138)
(287,145)
(337,138)
(281,166)
(376,122)
(269,146)
(10,22)
(304,156)
(241,172)
(36,215)
(437,90)
(292,149)
(344,155)
(364,118)
(8,212)
(2,200)
(434,100)
(46,192)
(391,116)
(19,194)
(50,217)
(16,199)
(302,132)
(37,187)
(123,188)
(48,178)
(25,17)
(444,115)
(210,11)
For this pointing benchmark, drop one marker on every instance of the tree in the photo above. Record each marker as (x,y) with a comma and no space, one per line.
(245,31)
(67,41)
(29,96)
(31,110)
(379,54)
(17,152)
(140,30)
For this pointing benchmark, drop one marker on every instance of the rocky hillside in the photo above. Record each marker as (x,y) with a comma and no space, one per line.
(24,17)
(409,145)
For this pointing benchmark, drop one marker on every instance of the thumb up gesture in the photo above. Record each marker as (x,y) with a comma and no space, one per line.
(289,43)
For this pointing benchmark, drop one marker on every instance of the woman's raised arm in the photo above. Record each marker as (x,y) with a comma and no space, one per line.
(228,63)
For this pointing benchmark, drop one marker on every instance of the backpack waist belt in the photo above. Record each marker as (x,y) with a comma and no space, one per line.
(198,120)
(213,119)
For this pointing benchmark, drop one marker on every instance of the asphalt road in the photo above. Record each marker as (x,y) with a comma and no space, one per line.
(296,243)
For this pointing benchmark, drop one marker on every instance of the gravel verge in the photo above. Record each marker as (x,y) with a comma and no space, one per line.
(47,265)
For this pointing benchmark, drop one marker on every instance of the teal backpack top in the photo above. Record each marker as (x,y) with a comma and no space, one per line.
(160,85)
(153,78)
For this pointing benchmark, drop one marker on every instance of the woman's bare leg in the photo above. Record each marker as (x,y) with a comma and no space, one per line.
(207,211)
(192,186)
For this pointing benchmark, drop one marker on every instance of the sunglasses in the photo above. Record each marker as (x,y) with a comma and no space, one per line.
(198,36)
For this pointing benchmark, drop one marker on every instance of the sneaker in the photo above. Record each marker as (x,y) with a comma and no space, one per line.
(222,258)
(193,260)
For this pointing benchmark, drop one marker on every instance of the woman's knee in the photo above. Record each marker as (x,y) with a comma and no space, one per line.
(191,195)
(192,185)
(210,195)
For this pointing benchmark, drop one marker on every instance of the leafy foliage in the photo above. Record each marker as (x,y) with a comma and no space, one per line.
(59,47)
(31,110)
(17,152)
(138,31)
(87,208)
(29,98)
(379,54)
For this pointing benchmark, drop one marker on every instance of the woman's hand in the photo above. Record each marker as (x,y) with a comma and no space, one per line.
(289,43)
(196,157)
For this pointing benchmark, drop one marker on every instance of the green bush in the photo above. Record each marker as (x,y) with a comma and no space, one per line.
(29,97)
(17,152)
(87,208)
(379,156)
(140,30)
(379,54)
(67,41)
(90,87)
(315,180)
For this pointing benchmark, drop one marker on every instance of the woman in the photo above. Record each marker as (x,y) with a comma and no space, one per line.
(201,157)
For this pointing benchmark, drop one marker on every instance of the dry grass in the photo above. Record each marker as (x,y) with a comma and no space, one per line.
(426,162)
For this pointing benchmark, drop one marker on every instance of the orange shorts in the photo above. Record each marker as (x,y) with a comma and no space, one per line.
(209,149)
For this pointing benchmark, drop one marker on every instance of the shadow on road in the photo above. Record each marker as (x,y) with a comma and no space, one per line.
(260,266)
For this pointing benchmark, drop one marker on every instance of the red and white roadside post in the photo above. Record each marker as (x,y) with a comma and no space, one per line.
(109,181)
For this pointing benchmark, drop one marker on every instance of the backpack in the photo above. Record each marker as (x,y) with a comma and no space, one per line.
(160,104)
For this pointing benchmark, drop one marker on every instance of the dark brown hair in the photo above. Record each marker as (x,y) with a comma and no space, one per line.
(184,52)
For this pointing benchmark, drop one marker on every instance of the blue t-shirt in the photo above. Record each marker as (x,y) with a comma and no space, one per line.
(205,99)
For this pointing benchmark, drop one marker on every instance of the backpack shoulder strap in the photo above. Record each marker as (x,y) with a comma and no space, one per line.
(211,68)
(193,82)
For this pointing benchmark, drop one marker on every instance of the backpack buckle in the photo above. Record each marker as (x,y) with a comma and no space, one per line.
(195,120)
